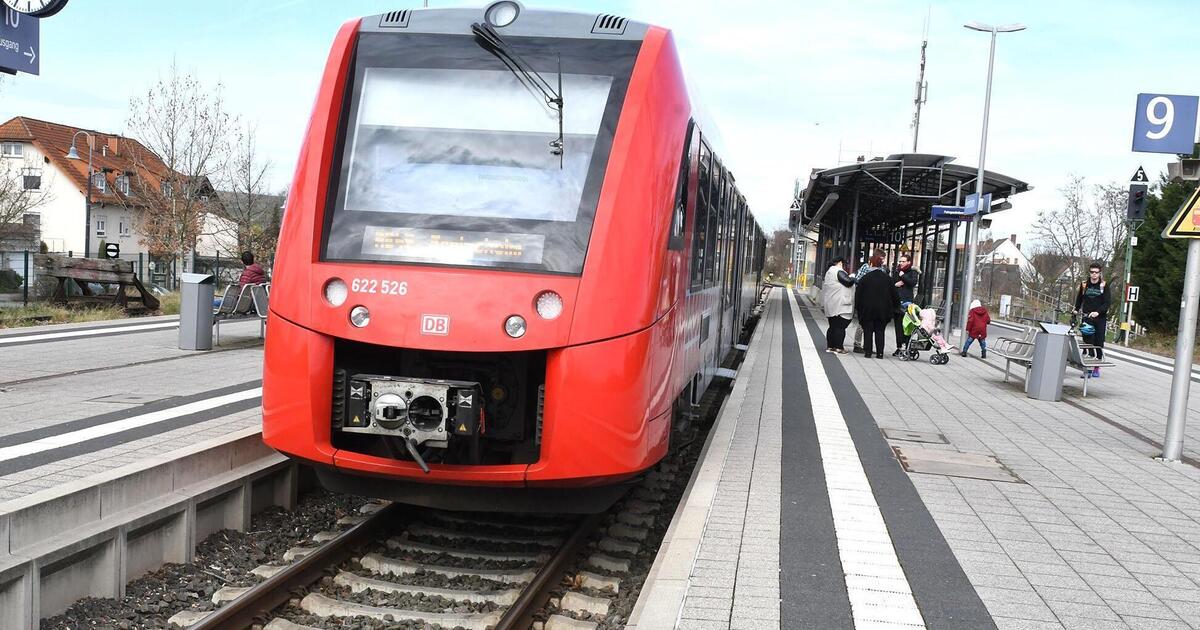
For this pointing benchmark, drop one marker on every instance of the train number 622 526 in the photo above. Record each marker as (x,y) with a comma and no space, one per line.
(384,287)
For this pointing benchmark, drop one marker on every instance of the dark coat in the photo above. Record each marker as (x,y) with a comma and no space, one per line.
(1093,297)
(876,298)
(977,323)
(910,279)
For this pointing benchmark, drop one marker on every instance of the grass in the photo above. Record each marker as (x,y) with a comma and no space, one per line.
(1162,345)
(39,313)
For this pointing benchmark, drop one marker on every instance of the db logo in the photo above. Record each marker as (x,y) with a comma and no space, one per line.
(435,324)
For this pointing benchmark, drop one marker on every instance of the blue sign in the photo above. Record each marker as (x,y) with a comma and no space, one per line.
(972,207)
(19,43)
(949,213)
(1165,123)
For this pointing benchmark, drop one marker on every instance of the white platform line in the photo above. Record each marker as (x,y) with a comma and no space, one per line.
(879,592)
(116,426)
(87,333)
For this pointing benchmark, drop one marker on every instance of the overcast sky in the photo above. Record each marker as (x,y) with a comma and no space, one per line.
(794,85)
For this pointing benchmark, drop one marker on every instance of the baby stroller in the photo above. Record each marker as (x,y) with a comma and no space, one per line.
(920,338)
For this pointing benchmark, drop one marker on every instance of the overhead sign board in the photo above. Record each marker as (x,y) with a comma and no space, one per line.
(1165,123)
(19,43)
(973,207)
(1186,222)
(949,213)
(1139,176)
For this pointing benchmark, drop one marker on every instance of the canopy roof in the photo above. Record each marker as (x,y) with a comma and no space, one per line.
(893,192)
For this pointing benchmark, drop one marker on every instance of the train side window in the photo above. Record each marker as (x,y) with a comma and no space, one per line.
(679,213)
(700,224)
(716,187)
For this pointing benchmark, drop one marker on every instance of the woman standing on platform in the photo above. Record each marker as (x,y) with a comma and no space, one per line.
(876,302)
(838,300)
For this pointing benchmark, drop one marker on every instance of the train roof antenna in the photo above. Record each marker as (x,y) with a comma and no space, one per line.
(490,40)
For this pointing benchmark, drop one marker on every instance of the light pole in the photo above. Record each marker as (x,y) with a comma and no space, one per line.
(73,154)
(973,226)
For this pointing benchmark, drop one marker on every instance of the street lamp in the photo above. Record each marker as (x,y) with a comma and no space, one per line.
(73,154)
(973,226)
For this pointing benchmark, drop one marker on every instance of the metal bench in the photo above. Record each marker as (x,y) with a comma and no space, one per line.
(1017,350)
(240,303)
(1077,359)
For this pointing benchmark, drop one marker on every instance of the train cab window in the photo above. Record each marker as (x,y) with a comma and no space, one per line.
(446,158)
(679,213)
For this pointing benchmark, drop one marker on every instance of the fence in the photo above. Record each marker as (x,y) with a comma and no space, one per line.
(22,284)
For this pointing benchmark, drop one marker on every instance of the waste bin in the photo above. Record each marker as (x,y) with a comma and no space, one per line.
(196,311)
(1049,364)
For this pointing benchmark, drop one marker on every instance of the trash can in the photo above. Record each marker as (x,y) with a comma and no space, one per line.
(1049,364)
(196,311)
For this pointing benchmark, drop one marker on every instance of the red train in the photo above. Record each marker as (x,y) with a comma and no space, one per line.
(510,254)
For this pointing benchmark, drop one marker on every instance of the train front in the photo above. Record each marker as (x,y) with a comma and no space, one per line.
(427,340)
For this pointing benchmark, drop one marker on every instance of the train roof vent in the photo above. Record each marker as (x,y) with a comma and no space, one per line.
(395,19)
(609,25)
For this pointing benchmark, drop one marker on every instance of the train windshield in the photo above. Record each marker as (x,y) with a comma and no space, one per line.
(456,161)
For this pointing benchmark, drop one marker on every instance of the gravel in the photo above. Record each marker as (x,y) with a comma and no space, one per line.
(223,559)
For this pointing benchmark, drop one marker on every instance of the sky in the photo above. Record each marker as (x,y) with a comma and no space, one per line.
(793,85)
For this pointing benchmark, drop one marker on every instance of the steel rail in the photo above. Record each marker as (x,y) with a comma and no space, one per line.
(519,616)
(273,592)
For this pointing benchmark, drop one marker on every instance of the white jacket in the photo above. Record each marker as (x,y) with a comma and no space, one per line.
(836,298)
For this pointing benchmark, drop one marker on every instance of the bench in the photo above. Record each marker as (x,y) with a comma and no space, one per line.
(1017,350)
(240,303)
(1077,359)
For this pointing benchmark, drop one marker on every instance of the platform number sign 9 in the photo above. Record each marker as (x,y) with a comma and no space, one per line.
(1165,123)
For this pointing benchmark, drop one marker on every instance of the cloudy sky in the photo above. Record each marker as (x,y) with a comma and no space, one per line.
(794,85)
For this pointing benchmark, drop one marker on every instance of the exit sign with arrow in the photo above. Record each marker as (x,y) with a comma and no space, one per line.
(19,43)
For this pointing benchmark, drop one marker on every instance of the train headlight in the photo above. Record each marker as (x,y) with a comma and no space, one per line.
(514,326)
(549,304)
(336,292)
(502,13)
(360,316)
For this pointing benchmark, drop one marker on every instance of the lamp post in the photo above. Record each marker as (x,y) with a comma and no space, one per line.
(73,154)
(973,226)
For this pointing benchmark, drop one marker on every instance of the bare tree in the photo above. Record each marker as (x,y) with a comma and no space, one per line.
(1043,277)
(250,208)
(16,199)
(1090,225)
(184,124)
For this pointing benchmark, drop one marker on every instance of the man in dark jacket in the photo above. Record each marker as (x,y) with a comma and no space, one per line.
(875,301)
(1092,301)
(906,279)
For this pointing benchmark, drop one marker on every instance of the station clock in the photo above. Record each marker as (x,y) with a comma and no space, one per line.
(36,8)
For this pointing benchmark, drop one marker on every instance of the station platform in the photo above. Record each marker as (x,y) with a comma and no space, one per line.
(81,399)
(838,491)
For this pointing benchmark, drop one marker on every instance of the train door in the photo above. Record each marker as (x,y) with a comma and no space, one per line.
(719,280)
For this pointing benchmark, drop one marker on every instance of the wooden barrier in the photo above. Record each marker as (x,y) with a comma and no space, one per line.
(87,271)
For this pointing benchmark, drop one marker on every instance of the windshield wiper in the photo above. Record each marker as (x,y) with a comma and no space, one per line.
(490,40)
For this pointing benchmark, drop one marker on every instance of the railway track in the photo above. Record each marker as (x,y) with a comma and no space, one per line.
(482,572)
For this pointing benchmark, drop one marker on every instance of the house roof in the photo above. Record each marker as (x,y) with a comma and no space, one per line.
(112,154)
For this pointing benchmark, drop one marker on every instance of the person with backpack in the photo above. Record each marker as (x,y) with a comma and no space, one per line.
(1092,302)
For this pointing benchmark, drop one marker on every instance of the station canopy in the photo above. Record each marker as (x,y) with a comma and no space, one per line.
(893,192)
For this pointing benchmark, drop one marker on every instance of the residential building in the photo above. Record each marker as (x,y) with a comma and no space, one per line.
(124,176)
